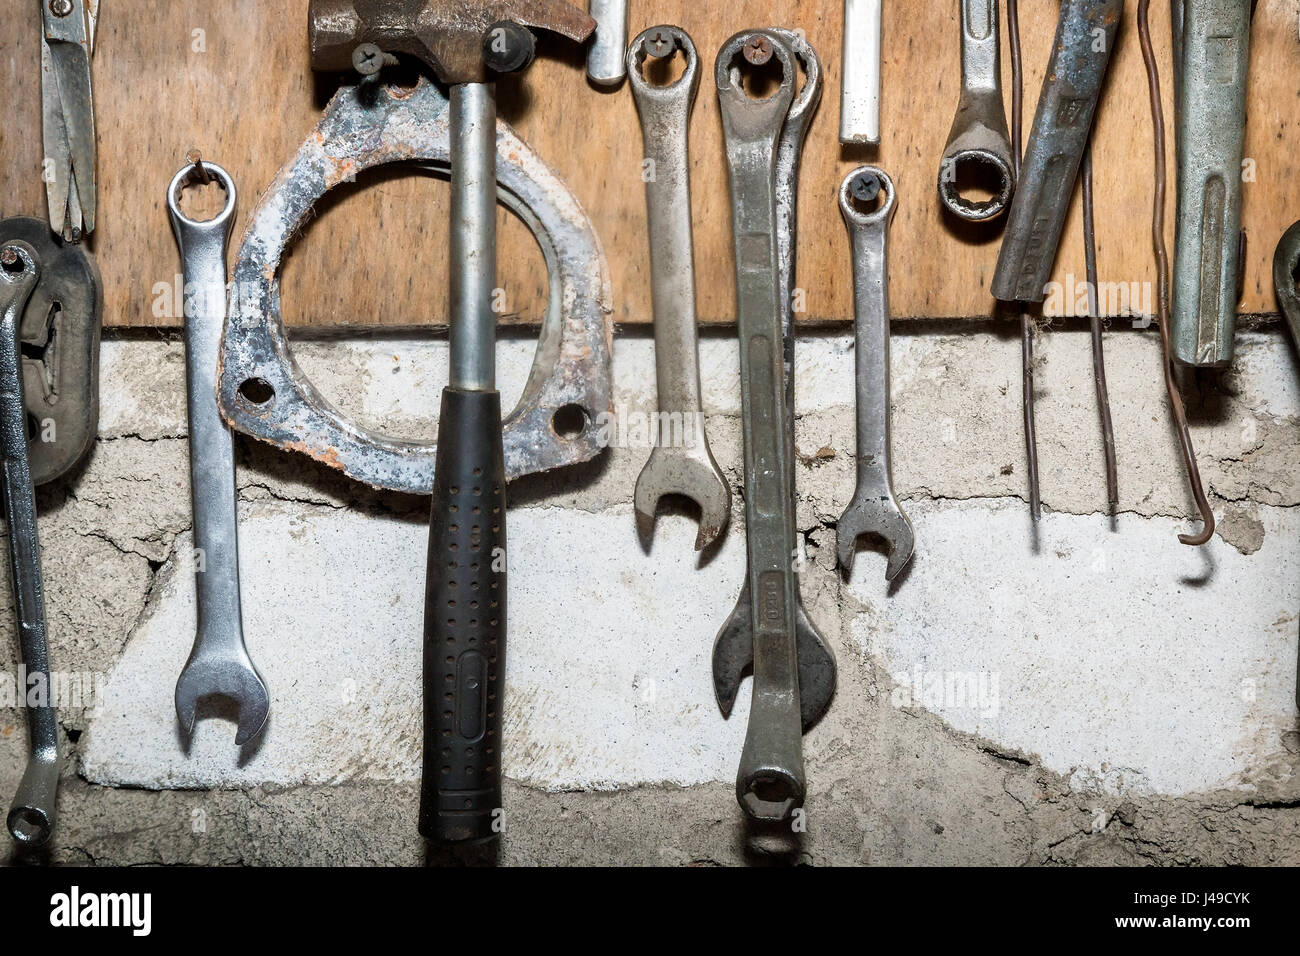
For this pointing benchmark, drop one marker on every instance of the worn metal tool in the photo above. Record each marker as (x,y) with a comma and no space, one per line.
(1212,50)
(860,86)
(874,509)
(263,392)
(60,333)
(219,664)
(1085,37)
(681,462)
(32,813)
(770,780)
(979,146)
(606,57)
(1286,276)
(68,114)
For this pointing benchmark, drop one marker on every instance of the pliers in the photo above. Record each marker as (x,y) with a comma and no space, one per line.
(68,114)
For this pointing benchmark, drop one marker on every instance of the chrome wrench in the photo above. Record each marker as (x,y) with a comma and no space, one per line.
(219,664)
(874,509)
(680,464)
(770,782)
(860,89)
(1085,37)
(1212,51)
(31,816)
(978,140)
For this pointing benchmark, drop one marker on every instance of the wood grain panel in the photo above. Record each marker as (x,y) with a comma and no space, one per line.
(232,78)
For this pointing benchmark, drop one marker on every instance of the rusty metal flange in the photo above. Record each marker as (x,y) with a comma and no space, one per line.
(369,125)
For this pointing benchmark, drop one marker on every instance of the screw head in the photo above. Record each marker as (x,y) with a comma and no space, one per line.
(60,8)
(865,187)
(367,59)
(660,43)
(758,50)
(508,47)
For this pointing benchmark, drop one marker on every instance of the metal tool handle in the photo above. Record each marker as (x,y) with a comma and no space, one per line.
(605,62)
(465,623)
(770,779)
(1213,46)
(869,232)
(665,113)
(31,816)
(860,93)
(1085,37)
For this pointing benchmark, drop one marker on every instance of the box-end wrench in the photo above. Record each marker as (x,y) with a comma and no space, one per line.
(770,781)
(31,816)
(683,466)
(860,64)
(1212,52)
(606,65)
(978,142)
(874,509)
(219,664)
(1085,37)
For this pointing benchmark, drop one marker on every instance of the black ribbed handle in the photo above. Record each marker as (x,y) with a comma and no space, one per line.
(465,623)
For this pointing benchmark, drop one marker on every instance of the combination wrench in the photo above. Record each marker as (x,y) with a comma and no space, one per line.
(770,782)
(1212,52)
(219,664)
(978,140)
(682,465)
(874,508)
(1085,37)
(31,816)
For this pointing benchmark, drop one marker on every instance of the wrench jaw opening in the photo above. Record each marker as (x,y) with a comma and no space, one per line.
(658,44)
(692,475)
(733,661)
(771,794)
(883,518)
(231,675)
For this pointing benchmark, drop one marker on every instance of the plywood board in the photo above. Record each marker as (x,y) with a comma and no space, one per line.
(232,78)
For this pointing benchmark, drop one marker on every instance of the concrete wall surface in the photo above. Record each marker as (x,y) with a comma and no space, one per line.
(1089,691)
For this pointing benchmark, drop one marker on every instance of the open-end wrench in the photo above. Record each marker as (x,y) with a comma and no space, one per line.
(816,659)
(874,509)
(733,654)
(1212,46)
(606,65)
(770,780)
(1085,37)
(219,664)
(860,88)
(683,465)
(31,816)
(979,139)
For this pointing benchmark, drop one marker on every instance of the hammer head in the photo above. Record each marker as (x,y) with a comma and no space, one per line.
(446,35)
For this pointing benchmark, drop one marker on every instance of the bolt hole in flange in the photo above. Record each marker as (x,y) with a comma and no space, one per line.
(569,421)
(256,392)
